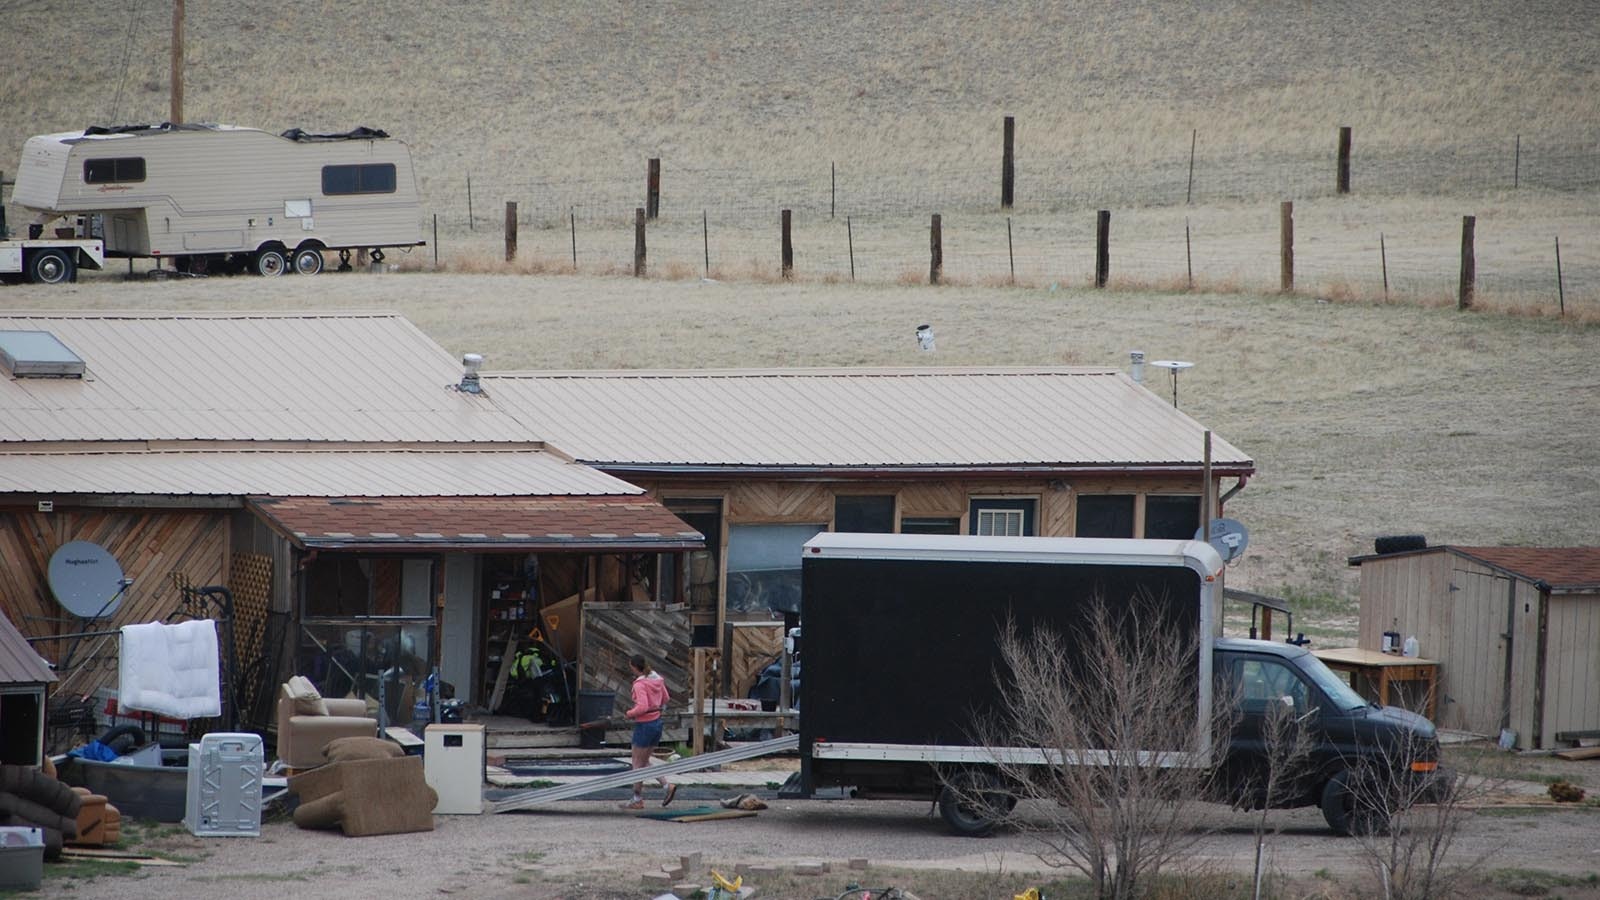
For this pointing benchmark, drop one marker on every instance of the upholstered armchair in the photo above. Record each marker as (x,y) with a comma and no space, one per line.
(307,722)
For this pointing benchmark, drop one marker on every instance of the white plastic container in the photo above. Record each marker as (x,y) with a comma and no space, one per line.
(224,789)
(1411,647)
(452,764)
(21,858)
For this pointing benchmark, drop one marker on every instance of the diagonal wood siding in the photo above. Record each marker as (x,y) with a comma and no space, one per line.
(151,546)
(771,501)
(613,632)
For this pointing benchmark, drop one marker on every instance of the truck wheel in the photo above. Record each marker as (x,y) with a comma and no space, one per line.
(307,261)
(51,267)
(973,803)
(270,263)
(1346,811)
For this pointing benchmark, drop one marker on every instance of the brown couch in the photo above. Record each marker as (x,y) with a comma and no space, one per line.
(365,796)
(304,728)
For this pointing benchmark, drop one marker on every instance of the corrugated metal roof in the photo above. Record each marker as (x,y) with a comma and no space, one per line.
(1559,567)
(311,473)
(18,663)
(246,377)
(859,418)
(500,523)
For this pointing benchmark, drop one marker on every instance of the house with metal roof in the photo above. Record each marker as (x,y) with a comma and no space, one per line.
(1516,631)
(377,509)
(761,460)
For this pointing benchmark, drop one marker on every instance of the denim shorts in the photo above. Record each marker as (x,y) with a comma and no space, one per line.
(647,734)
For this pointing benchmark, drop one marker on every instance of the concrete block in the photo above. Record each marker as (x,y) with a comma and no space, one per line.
(810,869)
(858,862)
(686,889)
(693,862)
(673,870)
(658,879)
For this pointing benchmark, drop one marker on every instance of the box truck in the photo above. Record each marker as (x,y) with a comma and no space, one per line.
(220,198)
(901,651)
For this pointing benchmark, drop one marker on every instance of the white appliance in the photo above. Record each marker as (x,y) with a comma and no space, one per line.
(453,764)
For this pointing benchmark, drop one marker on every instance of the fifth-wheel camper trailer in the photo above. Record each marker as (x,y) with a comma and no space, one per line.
(225,198)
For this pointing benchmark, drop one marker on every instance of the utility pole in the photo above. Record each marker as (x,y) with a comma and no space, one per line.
(176,116)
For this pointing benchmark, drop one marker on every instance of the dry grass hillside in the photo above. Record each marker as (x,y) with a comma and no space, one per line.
(1364,418)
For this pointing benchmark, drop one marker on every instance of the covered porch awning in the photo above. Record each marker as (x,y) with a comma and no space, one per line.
(631,523)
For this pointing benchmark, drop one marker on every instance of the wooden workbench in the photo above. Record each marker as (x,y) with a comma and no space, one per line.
(1384,669)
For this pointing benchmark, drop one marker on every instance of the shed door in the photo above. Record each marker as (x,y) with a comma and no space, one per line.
(1479,643)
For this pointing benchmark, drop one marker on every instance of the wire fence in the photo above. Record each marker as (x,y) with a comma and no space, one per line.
(1165,248)
(883,188)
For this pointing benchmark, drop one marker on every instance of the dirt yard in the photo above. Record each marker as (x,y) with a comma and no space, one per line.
(590,848)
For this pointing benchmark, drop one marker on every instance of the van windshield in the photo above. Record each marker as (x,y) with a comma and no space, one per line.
(1339,693)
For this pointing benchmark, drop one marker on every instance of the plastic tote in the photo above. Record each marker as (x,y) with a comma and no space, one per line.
(224,790)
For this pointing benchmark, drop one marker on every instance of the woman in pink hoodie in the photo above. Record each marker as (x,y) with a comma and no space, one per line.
(649,699)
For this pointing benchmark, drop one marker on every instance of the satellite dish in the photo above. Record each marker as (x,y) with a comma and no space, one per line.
(1228,536)
(1174,366)
(86,580)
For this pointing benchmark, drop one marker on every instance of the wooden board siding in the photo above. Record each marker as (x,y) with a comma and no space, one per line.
(753,647)
(933,500)
(614,632)
(753,502)
(151,546)
(1572,666)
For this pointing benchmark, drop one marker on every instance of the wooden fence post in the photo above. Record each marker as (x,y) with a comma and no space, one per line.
(788,247)
(511,230)
(850,238)
(1516,164)
(469,203)
(833,189)
(1561,288)
(1011,253)
(1102,248)
(572,216)
(1383,260)
(1344,159)
(638,242)
(1469,263)
(1286,247)
(1188,195)
(435,237)
(698,741)
(705,238)
(1188,253)
(1008,159)
(652,190)
(935,251)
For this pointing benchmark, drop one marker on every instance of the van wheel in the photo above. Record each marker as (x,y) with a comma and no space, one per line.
(974,802)
(270,263)
(1350,811)
(307,261)
(51,267)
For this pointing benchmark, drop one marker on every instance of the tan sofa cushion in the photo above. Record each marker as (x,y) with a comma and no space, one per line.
(366,796)
(349,748)
(307,699)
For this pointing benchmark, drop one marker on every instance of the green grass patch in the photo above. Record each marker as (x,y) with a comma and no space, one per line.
(1536,883)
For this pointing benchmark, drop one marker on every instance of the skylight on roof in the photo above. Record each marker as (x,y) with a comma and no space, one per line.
(37,354)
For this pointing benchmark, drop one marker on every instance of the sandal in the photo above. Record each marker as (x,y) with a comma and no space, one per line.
(672,791)
(637,804)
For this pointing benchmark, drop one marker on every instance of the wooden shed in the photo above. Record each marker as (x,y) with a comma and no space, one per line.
(1516,631)
(24,678)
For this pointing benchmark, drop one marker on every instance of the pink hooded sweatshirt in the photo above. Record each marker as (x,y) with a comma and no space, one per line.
(649,696)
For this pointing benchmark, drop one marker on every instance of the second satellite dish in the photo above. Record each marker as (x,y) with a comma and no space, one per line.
(1228,536)
(86,580)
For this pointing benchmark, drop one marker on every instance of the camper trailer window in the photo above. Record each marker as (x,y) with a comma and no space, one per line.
(112,171)
(372,178)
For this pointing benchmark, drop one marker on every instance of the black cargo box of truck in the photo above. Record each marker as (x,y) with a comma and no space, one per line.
(900,642)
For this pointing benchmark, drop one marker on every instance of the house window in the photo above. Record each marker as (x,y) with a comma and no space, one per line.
(1105,515)
(368,178)
(692,577)
(113,171)
(1175,518)
(1002,517)
(951,525)
(367,628)
(764,568)
(870,514)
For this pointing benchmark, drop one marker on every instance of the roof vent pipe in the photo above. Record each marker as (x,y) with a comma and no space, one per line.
(470,364)
(925,337)
(1136,369)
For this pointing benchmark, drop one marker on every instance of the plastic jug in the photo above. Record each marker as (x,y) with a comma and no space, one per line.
(1410,646)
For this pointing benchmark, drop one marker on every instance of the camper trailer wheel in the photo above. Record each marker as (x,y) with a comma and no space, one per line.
(307,261)
(270,262)
(51,267)
(344,260)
